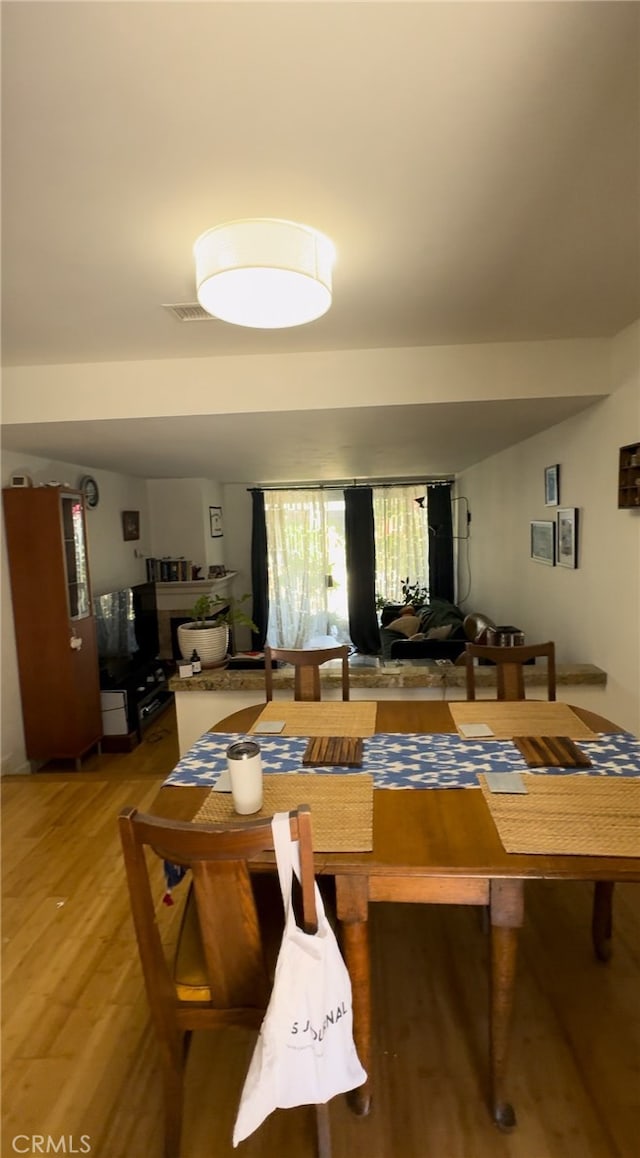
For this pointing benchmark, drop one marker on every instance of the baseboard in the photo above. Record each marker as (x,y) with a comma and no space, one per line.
(11,766)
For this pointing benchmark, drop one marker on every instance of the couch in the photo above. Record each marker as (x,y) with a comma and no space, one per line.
(437,630)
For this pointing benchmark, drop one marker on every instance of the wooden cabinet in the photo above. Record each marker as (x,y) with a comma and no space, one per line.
(54,625)
(629,476)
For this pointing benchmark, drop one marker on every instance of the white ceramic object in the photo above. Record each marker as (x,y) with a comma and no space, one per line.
(210,642)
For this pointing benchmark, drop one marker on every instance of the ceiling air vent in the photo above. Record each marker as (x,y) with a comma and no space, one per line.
(189,312)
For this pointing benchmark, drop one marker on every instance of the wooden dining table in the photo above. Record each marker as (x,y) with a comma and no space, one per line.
(434,846)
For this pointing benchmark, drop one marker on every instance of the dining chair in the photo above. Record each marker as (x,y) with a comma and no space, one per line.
(509,663)
(307,663)
(220,974)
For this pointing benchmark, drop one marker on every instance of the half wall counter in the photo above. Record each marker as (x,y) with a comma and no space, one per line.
(204,699)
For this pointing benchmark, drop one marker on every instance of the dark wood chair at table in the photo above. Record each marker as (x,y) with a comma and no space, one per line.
(307,663)
(219,976)
(509,663)
(510,683)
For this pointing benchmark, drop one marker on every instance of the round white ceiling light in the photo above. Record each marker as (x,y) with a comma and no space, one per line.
(264,273)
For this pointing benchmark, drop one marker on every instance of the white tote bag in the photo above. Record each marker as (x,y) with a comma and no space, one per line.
(305,1053)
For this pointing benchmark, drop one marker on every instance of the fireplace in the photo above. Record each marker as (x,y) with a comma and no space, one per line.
(174,602)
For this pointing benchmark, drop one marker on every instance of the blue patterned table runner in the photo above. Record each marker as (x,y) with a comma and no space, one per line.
(397,760)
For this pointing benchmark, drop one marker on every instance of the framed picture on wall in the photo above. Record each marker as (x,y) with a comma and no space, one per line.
(552,486)
(543,542)
(215,520)
(567,519)
(130,525)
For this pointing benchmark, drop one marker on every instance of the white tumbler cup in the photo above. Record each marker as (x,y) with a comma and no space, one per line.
(245,773)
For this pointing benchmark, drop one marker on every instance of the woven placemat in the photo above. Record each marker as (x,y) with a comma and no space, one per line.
(324,718)
(521,718)
(569,816)
(341,807)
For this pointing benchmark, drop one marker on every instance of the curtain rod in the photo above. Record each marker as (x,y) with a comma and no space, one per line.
(341,483)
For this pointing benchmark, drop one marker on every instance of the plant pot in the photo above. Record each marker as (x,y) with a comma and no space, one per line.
(210,642)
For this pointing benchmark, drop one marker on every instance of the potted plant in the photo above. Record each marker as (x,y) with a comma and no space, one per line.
(212,616)
(415,593)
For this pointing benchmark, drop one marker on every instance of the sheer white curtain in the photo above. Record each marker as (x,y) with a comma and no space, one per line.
(296,545)
(402,539)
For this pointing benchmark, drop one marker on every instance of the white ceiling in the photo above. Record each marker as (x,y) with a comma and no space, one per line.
(476,165)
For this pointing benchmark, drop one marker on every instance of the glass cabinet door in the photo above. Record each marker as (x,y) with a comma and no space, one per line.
(75,555)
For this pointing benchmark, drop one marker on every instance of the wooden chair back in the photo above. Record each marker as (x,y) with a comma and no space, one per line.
(307,663)
(509,663)
(220,976)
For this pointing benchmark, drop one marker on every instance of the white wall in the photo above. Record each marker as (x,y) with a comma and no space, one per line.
(336,378)
(593,612)
(179,515)
(214,549)
(113,563)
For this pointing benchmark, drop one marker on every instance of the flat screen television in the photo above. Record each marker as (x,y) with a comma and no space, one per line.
(126,625)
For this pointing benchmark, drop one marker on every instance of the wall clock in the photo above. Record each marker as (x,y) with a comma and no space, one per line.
(89,488)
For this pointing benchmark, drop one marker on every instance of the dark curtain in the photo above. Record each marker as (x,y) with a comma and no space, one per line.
(440,542)
(259,571)
(361,569)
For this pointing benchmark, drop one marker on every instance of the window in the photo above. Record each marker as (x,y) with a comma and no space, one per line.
(307,568)
(402,539)
(307,559)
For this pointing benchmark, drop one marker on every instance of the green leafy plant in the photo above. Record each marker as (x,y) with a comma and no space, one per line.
(225,611)
(414,593)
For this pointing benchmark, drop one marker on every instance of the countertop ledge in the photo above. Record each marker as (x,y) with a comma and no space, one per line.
(397,674)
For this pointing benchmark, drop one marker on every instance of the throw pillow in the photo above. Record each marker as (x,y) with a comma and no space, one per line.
(440,632)
(405,625)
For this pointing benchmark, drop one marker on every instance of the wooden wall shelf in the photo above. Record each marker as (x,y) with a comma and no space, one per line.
(629,477)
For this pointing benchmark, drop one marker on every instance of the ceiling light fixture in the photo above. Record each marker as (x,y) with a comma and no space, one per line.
(264,273)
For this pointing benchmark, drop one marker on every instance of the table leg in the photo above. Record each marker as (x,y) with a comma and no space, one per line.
(352,897)
(602,919)
(507,909)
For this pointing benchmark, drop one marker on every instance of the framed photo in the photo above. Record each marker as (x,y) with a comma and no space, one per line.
(215,520)
(552,486)
(567,519)
(131,525)
(543,542)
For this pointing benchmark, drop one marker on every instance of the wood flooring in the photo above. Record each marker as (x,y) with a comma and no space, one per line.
(79,1056)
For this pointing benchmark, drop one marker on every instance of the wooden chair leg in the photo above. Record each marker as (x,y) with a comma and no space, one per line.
(173,1067)
(602,919)
(323,1127)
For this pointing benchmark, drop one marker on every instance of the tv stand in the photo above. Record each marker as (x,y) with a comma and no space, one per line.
(133,694)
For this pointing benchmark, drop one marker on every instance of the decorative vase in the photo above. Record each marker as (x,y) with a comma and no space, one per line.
(210,642)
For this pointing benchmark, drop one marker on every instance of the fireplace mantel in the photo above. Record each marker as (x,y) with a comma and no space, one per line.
(182,596)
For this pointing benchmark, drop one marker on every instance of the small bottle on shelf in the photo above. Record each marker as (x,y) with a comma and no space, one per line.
(196,666)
